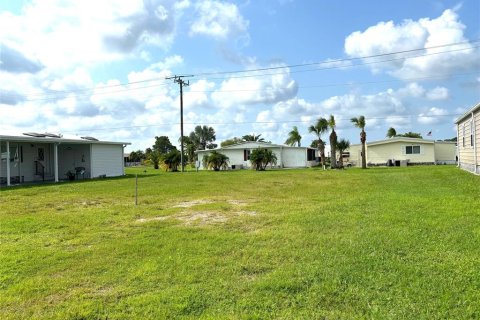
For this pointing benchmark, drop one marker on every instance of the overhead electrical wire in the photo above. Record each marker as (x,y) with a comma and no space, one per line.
(261,122)
(48,95)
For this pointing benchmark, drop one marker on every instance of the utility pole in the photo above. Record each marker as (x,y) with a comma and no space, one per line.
(181,82)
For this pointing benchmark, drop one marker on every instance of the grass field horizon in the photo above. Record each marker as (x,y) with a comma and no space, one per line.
(382,243)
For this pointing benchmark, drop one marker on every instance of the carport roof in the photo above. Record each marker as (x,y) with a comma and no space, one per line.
(54,138)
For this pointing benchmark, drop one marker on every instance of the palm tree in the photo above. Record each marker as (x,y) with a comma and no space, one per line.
(294,137)
(320,127)
(172,160)
(155,158)
(333,142)
(261,158)
(360,123)
(216,161)
(342,145)
(253,137)
(202,137)
(391,132)
(189,148)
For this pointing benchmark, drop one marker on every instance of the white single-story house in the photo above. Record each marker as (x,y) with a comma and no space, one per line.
(468,139)
(32,157)
(287,156)
(402,151)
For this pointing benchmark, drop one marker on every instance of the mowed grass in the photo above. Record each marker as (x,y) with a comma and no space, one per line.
(384,243)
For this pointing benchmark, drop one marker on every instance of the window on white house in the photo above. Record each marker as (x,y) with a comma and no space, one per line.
(412,149)
(246,155)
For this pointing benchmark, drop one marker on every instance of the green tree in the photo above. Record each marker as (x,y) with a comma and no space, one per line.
(155,158)
(215,160)
(342,145)
(261,158)
(391,132)
(203,137)
(294,137)
(360,123)
(333,142)
(188,148)
(320,127)
(253,137)
(230,142)
(163,145)
(137,156)
(411,135)
(171,160)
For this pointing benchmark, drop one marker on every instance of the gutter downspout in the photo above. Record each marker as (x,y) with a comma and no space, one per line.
(55,161)
(473,130)
(458,144)
(8,163)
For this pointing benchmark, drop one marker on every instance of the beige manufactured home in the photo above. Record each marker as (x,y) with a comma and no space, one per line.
(468,138)
(401,151)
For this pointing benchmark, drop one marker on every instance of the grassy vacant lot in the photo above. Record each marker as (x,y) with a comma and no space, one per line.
(396,243)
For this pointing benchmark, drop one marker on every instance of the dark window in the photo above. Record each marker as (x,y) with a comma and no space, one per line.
(41,154)
(310,154)
(412,149)
(246,155)
(471,140)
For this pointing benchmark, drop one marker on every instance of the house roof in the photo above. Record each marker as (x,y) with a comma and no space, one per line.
(51,138)
(400,139)
(468,113)
(254,144)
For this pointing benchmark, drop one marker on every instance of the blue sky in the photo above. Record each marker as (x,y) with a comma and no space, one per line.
(98,67)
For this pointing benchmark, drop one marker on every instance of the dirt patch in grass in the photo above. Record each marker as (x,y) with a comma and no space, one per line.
(189,204)
(204,217)
(142,220)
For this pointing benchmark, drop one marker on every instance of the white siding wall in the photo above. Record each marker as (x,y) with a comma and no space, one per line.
(106,160)
(445,152)
(294,158)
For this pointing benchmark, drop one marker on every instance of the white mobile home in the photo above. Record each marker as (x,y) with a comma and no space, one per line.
(287,157)
(468,140)
(33,157)
(404,151)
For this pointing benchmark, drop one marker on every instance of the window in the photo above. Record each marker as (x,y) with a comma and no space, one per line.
(471,133)
(246,155)
(310,154)
(412,149)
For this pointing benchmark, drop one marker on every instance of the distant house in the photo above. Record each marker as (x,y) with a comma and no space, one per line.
(468,140)
(402,151)
(287,157)
(32,157)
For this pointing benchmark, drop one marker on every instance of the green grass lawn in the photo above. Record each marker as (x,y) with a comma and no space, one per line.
(386,243)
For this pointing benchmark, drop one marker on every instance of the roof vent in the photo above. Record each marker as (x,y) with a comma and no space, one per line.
(52,135)
(89,138)
(35,134)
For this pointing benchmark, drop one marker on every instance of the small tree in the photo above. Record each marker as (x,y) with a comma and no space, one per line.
(294,137)
(261,158)
(391,132)
(361,123)
(155,158)
(172,160)
(342,145)
(215,160)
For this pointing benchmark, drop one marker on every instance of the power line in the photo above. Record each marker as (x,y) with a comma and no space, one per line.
(65,92)
(406,116)
(255,90)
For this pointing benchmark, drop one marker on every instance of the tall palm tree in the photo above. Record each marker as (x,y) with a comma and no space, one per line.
(342,145)
(294,137)
(391,132)
(360,123)
(320,127)
(253,137)
(202,137)
(333,142)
